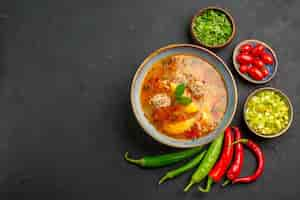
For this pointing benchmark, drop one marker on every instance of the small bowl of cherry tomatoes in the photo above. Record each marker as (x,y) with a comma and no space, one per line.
(255,61)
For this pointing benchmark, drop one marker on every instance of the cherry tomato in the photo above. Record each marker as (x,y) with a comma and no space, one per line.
(193,133)
(244,69)
(246,48)
(255,73)
(264,71)
(258,63)
(257,50)
(244,59)
(267,58)
(246,53)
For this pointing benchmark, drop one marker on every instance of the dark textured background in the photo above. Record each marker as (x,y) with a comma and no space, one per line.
(65,117)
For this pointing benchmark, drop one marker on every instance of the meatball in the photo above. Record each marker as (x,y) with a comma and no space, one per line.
(183,76)
(180,78)
(160,100)
(197,88)
(182,61)
(177,59)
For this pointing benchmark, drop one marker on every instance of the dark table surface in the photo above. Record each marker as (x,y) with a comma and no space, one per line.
(65,117)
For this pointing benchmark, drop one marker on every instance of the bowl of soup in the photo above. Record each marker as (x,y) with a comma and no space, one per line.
(183,95)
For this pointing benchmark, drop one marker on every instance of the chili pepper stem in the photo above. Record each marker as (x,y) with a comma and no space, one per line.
(188,186)
(208,161)
(134,161)
(164,178)
(208,185)
(240,141)
(226,183)
(189,165)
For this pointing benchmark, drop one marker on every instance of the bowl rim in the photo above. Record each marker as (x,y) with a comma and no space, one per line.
(165,48)
(281,94)
(226,12)
(236,65)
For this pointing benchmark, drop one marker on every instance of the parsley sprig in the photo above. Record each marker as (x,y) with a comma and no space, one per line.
(179,95)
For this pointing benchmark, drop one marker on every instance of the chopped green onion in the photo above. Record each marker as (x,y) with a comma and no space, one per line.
(212,27)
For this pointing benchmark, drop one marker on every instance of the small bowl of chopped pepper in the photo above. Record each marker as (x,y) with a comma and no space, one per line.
(212,27)
(268,112)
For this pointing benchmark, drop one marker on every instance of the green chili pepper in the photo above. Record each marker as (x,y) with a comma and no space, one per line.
(208,162)
(164,160)
(189,165)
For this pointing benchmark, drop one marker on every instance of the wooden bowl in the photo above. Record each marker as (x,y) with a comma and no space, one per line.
(286,99)
(271,68)
(195,40)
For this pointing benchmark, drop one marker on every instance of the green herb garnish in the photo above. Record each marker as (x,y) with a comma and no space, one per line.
(179,95)
(179,90)
(184,100)
(212,27)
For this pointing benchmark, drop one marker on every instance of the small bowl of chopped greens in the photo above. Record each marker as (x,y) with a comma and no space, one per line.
(212,27)
(268,112)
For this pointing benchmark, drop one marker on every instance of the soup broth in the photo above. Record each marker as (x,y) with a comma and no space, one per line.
(183,96)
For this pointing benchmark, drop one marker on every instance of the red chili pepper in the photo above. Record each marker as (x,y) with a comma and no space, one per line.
(221,166)
(260,159)
(237,163)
